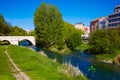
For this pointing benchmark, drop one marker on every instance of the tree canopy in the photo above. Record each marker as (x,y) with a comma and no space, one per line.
(105,41)
(52,30)
(72,36)
(5,28)
(17,31)
(48,26)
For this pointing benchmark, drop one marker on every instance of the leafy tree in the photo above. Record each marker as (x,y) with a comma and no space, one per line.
(5,28)
(32,33)
(100,43)
(17,31)
(72,36)
(48,26)
(114,38)
(74,40)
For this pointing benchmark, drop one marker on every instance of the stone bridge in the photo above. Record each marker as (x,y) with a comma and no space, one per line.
(16,39)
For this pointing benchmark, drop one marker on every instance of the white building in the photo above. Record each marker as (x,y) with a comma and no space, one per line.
(103,23)
(80,26)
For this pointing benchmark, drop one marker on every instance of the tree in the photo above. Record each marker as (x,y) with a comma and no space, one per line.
(5,28)
(114,37)
(100,43)
(72,36)
(48,26)
(17,31)
(32,33)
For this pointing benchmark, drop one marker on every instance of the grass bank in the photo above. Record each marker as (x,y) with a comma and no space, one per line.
(36,66)
(108,56)
(83,47)
(5,71)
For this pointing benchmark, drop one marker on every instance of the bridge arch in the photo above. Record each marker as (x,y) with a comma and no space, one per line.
(15,39)
(25,42)
(5,42)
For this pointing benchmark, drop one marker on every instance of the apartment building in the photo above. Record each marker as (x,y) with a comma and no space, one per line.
(114,19)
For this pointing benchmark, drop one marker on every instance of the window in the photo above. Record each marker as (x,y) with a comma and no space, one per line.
(109,20)
(118,19)
(118,15)
(109,25)
(118,10)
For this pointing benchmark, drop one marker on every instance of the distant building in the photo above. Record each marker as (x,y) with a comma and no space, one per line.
(94,25)
(111,21)
(80,26)
(99,23)
(28,31)
(86,30)
(103,23)
(114,19)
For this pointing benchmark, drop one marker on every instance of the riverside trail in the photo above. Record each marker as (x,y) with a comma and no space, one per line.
(16,71)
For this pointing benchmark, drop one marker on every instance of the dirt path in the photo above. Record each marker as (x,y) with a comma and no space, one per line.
(16,71)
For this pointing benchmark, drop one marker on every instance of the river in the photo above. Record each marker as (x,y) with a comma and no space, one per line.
(104,71)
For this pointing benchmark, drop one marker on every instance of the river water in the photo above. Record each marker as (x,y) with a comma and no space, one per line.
(104,71)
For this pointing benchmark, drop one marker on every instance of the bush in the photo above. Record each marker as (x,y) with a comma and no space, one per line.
(74,40)
(100,43)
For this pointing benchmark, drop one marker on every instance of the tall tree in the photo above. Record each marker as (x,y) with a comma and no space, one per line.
(100,43)
(5,28)
(72,36)
(48,26)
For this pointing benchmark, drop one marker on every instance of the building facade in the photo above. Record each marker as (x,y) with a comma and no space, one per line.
(94,25)
(86,30)
(114,19)
(111,21)
(81,26)
(99,23)
(103,23)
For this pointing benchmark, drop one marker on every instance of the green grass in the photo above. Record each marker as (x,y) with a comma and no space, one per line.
(108,56)
(37,67)
(5,71)
(83,47)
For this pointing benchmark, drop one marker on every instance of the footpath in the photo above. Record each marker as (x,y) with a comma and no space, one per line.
(16,71)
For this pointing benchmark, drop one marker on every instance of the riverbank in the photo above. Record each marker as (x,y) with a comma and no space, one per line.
(38,67)
(113,58)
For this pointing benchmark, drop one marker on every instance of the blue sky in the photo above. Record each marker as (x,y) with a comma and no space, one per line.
(21,12)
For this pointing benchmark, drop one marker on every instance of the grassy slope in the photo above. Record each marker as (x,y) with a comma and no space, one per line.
(5,72)
(36,66)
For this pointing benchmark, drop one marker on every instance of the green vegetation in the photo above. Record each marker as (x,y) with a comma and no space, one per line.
(5,28)
(5,71)
(52,31)
(99,42)
(105,41)
(72,36)
(48,26)
(83,47)
(108,56)
(32,33)
(105,44)
(17,31)
(38,67)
